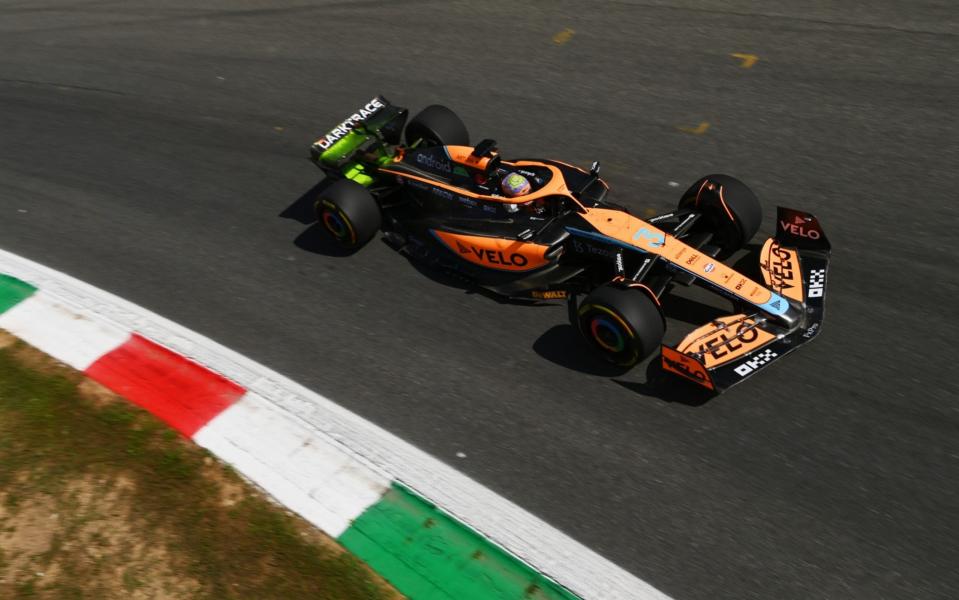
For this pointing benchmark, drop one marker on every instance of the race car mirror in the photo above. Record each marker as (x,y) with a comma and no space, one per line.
(485,148)
(594,168)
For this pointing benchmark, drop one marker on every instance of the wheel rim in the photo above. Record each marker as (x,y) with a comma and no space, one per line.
(337,223)
(610,334)
(607,334)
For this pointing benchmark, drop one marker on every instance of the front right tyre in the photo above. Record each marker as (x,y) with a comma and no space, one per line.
(623,324)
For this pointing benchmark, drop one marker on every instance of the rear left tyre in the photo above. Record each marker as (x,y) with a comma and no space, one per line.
(349,213)
(623,324)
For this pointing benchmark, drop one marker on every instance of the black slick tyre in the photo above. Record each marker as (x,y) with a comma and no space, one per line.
(625,325)
(348,212)
(731,211)
(437,125)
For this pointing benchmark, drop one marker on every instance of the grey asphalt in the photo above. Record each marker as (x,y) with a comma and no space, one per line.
(150,148)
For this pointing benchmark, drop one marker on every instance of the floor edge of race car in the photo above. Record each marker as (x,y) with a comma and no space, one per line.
(428,529)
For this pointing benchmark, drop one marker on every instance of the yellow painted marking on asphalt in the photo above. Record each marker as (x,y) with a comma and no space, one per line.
(698,130)
(277,129)
(563,36)
(748,59)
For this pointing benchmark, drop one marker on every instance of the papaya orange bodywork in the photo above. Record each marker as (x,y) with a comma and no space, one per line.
(635,232)
(686,366)
(464,156)
(495,253)
(781,269)
(725,339)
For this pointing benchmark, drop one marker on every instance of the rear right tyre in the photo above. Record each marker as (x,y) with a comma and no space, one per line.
(437,125)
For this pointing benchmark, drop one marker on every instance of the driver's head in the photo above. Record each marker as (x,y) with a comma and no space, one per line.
(514,184)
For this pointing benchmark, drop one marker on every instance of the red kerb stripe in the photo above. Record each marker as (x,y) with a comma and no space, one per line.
(175,389)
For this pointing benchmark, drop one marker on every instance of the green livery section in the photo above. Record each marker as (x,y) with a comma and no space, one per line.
(366,143)
(428,555)
(343,148)
(342,151)
(13,291)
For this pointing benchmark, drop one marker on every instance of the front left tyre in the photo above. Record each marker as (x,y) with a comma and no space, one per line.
(731,211)
(624,324)
(349,213)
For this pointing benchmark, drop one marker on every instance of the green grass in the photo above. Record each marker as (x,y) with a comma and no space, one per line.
(52,436)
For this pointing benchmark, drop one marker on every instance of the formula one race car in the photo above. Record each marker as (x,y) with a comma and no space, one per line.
(555,236)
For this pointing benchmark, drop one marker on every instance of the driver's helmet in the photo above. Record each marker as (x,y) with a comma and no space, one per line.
(514,184)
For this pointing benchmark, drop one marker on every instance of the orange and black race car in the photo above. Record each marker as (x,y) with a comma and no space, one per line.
(538,229)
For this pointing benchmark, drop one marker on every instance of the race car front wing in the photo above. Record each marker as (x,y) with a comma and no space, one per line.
(730,349)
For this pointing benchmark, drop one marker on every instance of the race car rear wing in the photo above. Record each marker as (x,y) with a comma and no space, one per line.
(377,118)
(730,349)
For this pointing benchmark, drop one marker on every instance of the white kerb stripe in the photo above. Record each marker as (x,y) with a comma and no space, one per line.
(294,463)
(545,548)
(75,339)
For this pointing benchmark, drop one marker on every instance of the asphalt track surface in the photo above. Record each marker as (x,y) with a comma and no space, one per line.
(157,150)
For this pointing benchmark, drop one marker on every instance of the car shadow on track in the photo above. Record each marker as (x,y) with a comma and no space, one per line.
(667,387)
(315,239)
(563,346)
(302,208)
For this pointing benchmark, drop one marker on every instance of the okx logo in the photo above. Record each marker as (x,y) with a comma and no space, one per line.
(817,283)
(754,363)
